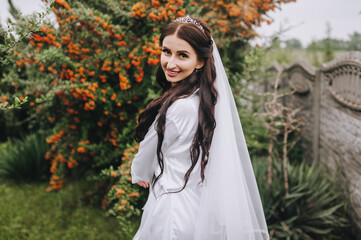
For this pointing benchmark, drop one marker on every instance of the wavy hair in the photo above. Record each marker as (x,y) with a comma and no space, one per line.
(203,79)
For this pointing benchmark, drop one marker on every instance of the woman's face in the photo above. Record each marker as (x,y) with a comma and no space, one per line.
(178,59)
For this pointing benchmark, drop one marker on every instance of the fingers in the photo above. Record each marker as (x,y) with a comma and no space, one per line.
(143,184)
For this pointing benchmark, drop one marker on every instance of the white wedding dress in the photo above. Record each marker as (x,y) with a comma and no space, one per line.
(227,205)
(166,215)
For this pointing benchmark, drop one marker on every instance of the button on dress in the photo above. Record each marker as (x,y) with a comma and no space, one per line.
(167,215)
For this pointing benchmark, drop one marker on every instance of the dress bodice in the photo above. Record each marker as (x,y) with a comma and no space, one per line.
(181,126)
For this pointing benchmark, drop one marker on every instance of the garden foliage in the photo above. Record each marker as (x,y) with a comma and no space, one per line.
(88,76)
(313,208)
(22,160)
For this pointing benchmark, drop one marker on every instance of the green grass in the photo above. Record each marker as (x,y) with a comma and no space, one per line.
(27,211)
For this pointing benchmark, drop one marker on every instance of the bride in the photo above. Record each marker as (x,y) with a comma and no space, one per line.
(192,151)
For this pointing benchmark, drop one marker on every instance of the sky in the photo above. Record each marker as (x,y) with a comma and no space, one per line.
(305,19)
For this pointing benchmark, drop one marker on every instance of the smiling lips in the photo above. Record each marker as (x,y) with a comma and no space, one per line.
(172,73)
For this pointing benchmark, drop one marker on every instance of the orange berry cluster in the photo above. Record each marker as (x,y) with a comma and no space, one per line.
(158,11)
(124,191)
(238,18)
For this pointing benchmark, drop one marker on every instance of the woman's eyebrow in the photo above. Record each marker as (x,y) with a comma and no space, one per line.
(183,51)
(180,51)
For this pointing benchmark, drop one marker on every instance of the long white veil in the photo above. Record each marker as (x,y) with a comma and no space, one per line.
(230,206)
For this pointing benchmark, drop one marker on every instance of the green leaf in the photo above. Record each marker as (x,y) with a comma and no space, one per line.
(12,37)
(17,101)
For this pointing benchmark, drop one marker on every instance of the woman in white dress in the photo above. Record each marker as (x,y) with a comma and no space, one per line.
(192,151)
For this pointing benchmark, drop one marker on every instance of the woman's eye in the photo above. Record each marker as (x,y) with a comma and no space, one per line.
(166,51)
(182,55)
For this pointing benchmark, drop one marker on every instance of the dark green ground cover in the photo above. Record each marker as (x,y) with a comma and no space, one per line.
(27,211)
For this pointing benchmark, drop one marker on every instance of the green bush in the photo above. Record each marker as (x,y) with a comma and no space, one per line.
(255,132)
(23,159)
(312,210)
(3,145)
(124,199)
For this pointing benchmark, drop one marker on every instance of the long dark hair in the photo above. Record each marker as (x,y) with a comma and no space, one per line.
(203,79)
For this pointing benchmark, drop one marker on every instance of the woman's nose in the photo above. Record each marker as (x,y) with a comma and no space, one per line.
(172,63)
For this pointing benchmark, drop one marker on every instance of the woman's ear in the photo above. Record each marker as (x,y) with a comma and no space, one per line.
(200,64)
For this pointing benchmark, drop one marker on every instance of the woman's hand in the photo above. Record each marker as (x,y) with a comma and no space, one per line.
(143,184)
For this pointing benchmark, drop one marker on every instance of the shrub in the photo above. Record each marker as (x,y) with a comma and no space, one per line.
(90,73)
(124,199)
(23,159)
(313,209)
(88,78)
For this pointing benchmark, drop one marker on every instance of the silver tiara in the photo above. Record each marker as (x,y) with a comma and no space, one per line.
(188,19)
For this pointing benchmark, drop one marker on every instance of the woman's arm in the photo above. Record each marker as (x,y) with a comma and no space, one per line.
(145,161)
(181,119)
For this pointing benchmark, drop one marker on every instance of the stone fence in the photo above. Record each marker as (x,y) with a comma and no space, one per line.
(330,97)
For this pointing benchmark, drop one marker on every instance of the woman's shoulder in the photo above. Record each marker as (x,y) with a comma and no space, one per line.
(184,107)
